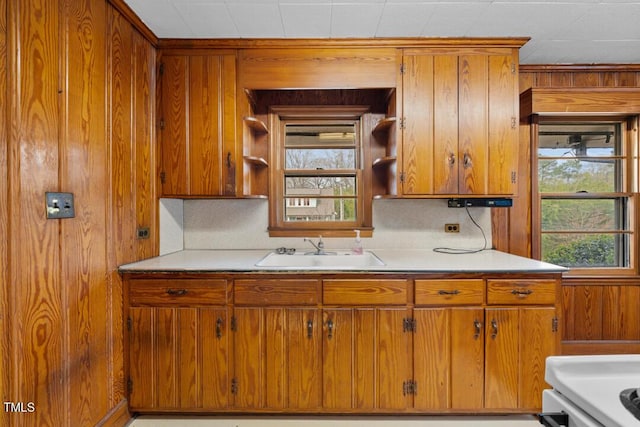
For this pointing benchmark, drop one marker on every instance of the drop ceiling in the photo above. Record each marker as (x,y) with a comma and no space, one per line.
(561,32)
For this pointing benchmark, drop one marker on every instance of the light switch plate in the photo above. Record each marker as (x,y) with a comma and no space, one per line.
(60,205)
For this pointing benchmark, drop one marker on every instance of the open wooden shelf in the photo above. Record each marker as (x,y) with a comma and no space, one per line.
(383,161)
(257,161)
(256,125)
(384,124)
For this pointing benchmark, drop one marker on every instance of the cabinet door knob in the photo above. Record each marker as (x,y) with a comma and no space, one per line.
(467,161)
(309,328)
(330,329)
(477,325)
(219,328)
(494,328)
(451,159)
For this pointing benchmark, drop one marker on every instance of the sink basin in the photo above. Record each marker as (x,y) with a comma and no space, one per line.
(332,260)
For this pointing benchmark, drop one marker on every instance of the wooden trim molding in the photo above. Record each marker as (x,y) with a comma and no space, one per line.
(134,20)
(579,100)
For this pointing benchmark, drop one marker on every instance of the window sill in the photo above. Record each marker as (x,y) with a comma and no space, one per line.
(314,232)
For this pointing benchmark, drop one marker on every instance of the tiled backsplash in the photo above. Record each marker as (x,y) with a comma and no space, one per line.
(242,224)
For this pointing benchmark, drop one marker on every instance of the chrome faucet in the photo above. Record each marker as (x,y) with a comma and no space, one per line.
(319,246)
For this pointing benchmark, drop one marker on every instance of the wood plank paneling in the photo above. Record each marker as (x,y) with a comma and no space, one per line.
(5,349)
(84,171)
(37,367)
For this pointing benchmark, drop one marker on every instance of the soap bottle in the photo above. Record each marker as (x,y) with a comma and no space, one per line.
(357,245)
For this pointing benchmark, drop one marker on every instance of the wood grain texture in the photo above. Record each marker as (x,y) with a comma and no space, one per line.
(537,342)
(84,171)
(5,323)
(37,366)
(283,292)
(365,292)
(449,292)
(501,358)
(320,68)
(393,358)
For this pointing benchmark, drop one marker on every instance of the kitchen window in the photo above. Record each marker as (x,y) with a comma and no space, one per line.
(318,178)
(585,194)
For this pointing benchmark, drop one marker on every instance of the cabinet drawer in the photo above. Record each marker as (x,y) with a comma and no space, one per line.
(450,292)
(251,292)
(178,292)
(364,292)
(521,291)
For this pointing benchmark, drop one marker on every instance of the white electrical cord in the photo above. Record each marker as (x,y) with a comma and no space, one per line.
(459,251)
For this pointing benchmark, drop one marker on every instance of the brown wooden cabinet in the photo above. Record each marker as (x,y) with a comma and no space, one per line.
(277,351)
(197,122)
(179,345)
(346,343)
(366,344)
(459,116)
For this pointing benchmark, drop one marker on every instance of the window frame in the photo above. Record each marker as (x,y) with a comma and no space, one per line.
(629,191)
(279,117)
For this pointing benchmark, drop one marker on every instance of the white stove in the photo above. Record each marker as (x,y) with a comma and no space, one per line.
(587,389)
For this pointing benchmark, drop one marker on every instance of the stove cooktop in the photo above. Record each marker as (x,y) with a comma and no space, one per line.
(630,399)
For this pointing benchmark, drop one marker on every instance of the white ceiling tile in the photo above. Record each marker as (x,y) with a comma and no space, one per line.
(404,20)
(161,16)
(306,19)
(355,19)
(256,19)
(210,19)
(604,22)
(453,19)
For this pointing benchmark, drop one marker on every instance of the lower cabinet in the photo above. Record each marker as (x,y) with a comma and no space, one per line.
(178,345)
(340,345)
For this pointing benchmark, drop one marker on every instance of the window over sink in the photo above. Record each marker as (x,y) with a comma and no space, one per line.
(318,175)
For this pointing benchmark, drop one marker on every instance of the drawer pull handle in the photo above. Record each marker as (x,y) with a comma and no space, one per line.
(177,292)
(453,292)
(330,329)
(478,328)
(219,328)
(310,329)
(494,328)
(521,292)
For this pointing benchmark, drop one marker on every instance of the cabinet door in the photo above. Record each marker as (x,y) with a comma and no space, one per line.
(366,358)
(460,133)
(277,358)
(178,358)
(518,340)
(449,358)
(198,134)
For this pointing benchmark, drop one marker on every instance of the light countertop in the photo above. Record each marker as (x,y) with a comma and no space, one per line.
(410,260)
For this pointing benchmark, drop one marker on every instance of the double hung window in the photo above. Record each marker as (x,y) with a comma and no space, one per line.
(585,201)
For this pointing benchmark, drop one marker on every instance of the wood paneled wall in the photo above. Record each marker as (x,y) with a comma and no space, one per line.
(600,315)
(78,116)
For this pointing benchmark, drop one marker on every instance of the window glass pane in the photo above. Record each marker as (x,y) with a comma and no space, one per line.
(583,214)
(314,159)
(320,185)
(585,250)
(573,176)
(579,140)
(320,146)
(307,208)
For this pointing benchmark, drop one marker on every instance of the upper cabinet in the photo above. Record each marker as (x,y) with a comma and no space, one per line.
(199,154)
(459,122)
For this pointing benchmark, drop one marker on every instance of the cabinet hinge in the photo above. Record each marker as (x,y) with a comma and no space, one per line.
(514,122)
(129,385)
(233,325)
(402,176)
(129,324)
(402,68)
(403,123)
(161,68)
(513,68)
(163,177)
(514,175)
(409,325)
(554,324)
(409,387)
(162,124)
(234,386)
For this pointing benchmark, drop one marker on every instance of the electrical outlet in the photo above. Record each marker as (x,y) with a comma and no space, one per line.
(60,205)
(452,228)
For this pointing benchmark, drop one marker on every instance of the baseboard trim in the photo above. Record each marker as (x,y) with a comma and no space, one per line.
(119,416)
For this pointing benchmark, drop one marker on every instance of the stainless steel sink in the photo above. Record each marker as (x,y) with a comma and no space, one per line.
(337,260)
